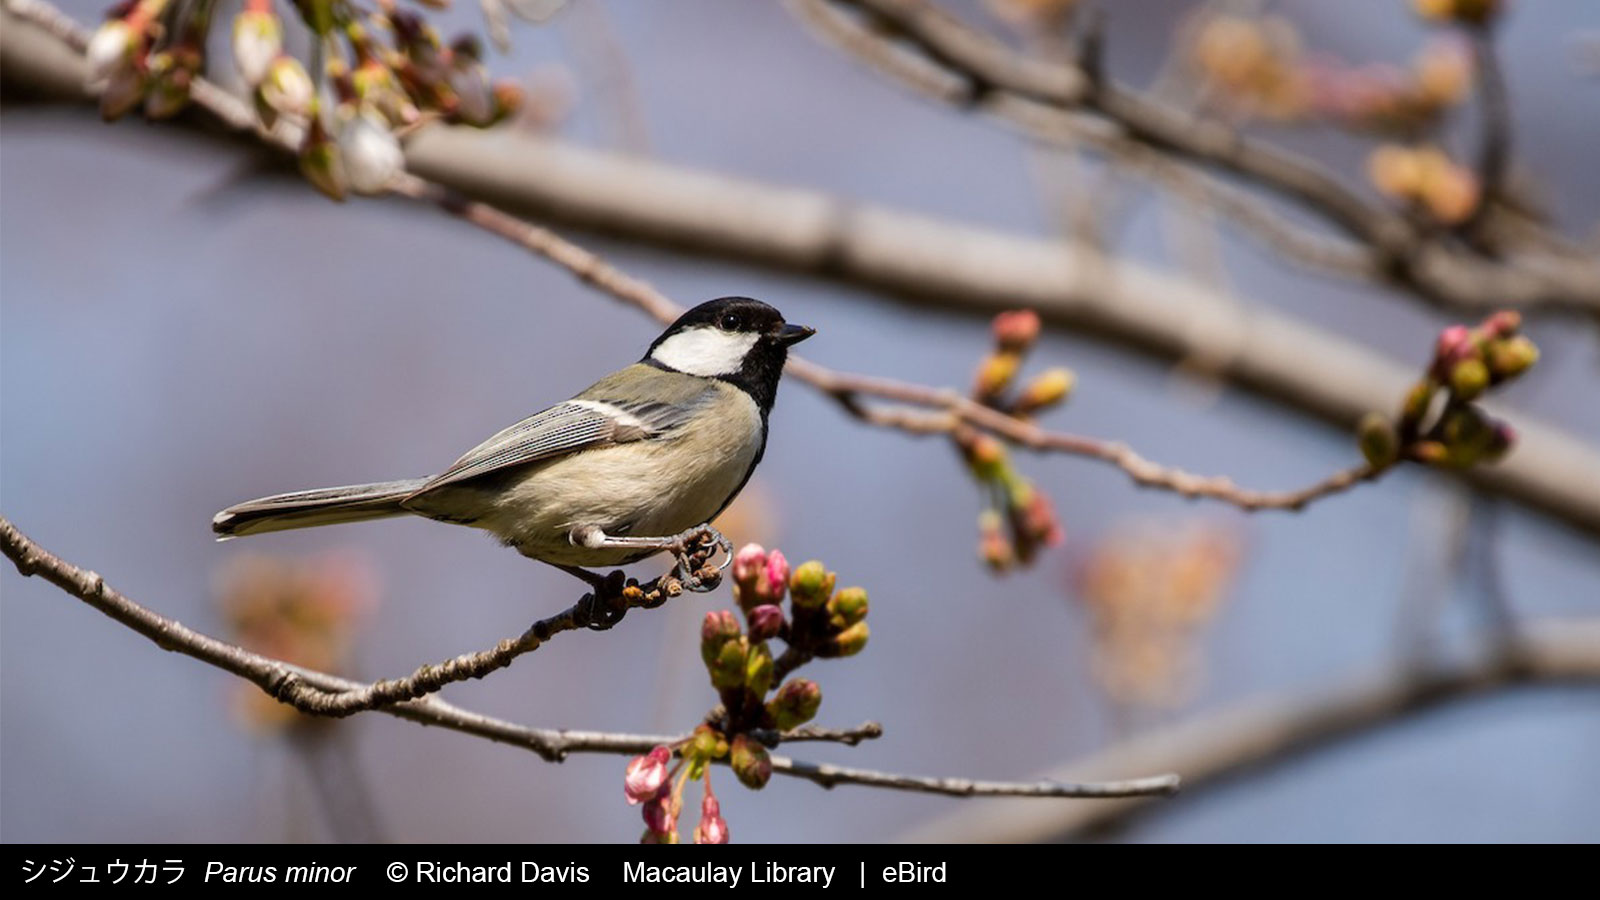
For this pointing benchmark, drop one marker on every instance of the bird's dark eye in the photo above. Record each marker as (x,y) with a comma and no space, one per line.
(730,322)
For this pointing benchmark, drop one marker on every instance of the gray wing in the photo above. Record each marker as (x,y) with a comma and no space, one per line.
(585,423)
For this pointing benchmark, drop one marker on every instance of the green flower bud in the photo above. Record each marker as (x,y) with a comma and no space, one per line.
(1510,358)
(727,670)
(847,607)
(810,585)
(1469,378)
(1379,442)
(758,670)
(848,642)
(795,704)
(750,762)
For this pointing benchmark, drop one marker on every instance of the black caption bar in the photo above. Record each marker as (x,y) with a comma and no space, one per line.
(580,867)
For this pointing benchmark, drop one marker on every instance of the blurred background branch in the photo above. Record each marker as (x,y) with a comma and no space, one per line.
(1217,747)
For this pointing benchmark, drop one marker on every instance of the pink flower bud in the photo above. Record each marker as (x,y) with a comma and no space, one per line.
(713,829)
(1014,331)
(748,563)
(657,813)
(777,577)
(718,628)
(1454,342)
(766,621)
(646,775)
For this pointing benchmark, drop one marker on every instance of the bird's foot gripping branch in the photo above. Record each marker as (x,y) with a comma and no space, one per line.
(820,622)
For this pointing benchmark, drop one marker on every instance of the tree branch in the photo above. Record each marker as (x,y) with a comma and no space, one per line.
(1215,747)
(973,70)
(972,269)
(552,745)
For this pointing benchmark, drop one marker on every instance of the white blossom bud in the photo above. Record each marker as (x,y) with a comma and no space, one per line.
(257,41)
(372,156)
(287,89)
(110,53)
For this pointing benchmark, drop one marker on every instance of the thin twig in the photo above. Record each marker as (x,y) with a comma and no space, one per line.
(1494,153)
(552,745)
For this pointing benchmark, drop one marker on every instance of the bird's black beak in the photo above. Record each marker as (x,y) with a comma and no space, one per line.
(793,334)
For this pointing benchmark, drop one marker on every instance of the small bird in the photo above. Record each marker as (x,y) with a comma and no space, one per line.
(638,463)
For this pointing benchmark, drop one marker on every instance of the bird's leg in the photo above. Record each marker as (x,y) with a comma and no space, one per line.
(680,545)
(600,609)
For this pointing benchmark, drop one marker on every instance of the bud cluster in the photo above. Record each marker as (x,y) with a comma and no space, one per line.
(822,621)
(1018,519)
(306,612)
(1386,99)
(151,51)
(1253,65)
(1426,179)
(1150,589)
(1256,67)
(1439,424)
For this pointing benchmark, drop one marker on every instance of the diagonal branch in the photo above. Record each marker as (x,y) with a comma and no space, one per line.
(552,745)
(961,65)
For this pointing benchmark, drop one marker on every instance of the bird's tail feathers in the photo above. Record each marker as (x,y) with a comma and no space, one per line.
(308,509)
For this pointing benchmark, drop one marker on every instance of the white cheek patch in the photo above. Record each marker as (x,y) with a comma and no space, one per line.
(705,351)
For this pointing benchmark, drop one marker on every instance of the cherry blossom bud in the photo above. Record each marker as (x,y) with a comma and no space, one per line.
(660,815)
(758,669)
(1469,378)
(713,829)
(372,156)
(111,53)
(776,578)
(287,89)
(847,607)
(1379,442)
(1015,331)
(994,547)
(986,456)
(646,775)
(257,41)
(795,703)
(728,669)
(766,621)
(750,762)
(1045,391)
(1510,358)
(1454,342)
(469,81)
(811,585)
(1417,403)
(995,374)
(1504,323)
(717,629)
(651,837)
(748,566)
(706,743)
(847,642)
